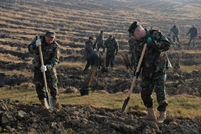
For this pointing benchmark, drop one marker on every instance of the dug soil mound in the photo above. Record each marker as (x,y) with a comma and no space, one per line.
(17,117)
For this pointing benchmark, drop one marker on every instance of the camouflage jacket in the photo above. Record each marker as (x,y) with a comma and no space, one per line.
(112,45)
(99,39)
(193,32)
(175,31)
(155,59)
(50,53)
(88,49)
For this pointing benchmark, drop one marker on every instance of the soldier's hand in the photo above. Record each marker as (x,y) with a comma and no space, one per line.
(38,42)
(148,40)
(43,68)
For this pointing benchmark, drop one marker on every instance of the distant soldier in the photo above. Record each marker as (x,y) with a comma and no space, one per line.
(175,32)
(193,35)
(132,43)
(50,51)
(99,43)
(88,49)
(153,68)
(112,46)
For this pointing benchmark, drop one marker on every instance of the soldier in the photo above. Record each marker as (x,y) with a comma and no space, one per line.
(132,44)
(99,42)
(50,51)
(96,61)
(175,34)
(88,49)
(153,68)
(193,34)
(112,49)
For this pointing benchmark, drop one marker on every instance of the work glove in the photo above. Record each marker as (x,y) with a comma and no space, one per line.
(38,42)
(116,53)
(43,68)
(148,40)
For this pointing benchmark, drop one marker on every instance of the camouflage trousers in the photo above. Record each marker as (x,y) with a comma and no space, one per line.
(156,83)
(52,81)
(110,59)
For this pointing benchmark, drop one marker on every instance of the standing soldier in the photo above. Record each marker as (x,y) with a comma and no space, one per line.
(88,49)
(193,34)
(175,31)
(153,68)
(50,52)
(99,42)
(112,49)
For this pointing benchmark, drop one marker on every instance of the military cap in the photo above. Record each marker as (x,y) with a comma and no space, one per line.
(50,34)
(132,27)
(110,36)
(90,37)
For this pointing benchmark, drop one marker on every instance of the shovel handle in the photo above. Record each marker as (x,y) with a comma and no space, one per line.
(137,70)
(42,63)
(133,82)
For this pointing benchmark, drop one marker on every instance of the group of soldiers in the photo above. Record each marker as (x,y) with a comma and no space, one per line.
(152,68)
(173,36)
(111,46)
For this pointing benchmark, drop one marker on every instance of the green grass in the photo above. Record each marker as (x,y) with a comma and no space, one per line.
(184,106)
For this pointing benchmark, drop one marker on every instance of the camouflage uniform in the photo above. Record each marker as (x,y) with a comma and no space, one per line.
(153,68)
(112,45)
(51,59)
(193,34)
(175,32)
(88,49)
(132,44)
(100,41)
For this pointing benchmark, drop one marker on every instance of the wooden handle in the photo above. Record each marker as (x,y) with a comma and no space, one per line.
(42,63)
(137,70)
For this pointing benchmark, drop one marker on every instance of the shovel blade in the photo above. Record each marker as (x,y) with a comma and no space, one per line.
(46,103)
(125,104)
(51,102)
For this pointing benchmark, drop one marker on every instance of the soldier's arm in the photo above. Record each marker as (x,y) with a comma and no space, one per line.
(137,56)
(32,48)
(189,31)
(54,60)
(117,46)
(159,42)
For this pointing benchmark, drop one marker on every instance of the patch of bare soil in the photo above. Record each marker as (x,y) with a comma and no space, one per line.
(17,117)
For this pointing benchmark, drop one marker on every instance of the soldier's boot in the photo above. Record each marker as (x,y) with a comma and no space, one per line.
(162,117)
(150,115)
(57,104)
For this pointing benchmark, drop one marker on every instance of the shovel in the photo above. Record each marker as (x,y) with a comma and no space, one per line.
(133,82)
(49,101)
